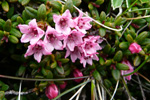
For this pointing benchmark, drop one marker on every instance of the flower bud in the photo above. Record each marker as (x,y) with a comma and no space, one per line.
(63,86)
(51,91)
(77,73)
(135,48)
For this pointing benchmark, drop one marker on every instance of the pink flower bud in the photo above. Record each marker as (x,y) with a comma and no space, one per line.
(77,73)
(63,86)
(135,48)
(51,91)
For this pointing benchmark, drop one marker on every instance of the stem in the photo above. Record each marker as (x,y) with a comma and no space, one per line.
(80,89)
(138,17)
(125,85)
(106,89)
(143,77)
(115,90)
(129,7)
(142,92)
(139,9)
(67,91)
(39,79)
(138,67)
(99,92)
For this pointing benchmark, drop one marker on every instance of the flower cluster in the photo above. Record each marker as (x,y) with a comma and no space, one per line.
(69,33)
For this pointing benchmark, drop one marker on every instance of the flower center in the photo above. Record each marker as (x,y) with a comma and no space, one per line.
(81,23)
(88,45)
(34,31)
(63,22)
(51,38)
(37,48)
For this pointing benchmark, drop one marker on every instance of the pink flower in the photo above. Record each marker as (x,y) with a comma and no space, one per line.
(51,91)
(90,45)
(5,38)
(135,48)
(53,39)
(82,23)
(64,22)
(73,54)
(88,59)
(31,32)
(73,39)
(77,73)
(38,50)
(131,69)
(63,86)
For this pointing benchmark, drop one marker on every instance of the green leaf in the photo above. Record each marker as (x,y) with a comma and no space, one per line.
(116,74)
(116,3)
(144,1)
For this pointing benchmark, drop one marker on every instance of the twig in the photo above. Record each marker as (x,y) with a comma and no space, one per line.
(40,79)
(141,84)
(115,90)
(20,90)
(142,92)
(80,89)
(141,29)
(12,92)
(98,88)
(143,77)
(120,11)
(138,17)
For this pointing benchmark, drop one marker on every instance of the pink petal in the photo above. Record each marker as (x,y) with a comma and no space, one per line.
(56,18)
(25,38)
(33,23)
(40,32)
(24,28)
(89,61)
(38,56)
(58,45)
(49,47)
(34,40)
(29,51)
(67,14)
(73,57)
(71,45)
(67,53)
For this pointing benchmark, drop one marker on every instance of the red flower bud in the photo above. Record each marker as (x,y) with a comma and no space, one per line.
(77,73)
(51,91)
(62,86)
(135,48)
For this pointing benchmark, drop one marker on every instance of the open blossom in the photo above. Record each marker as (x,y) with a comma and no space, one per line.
(90,45)
(135,48)
(31,32)
(73,54)
(51,91)
(77,73)
(38,50)
(82,23)
(64,22)
(73,39)
(131,69)
(88,59)
(53,39)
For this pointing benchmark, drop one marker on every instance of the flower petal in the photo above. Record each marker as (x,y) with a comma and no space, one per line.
(38,56)
(24,28)
(56,18)
(33,23)
(25,38)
